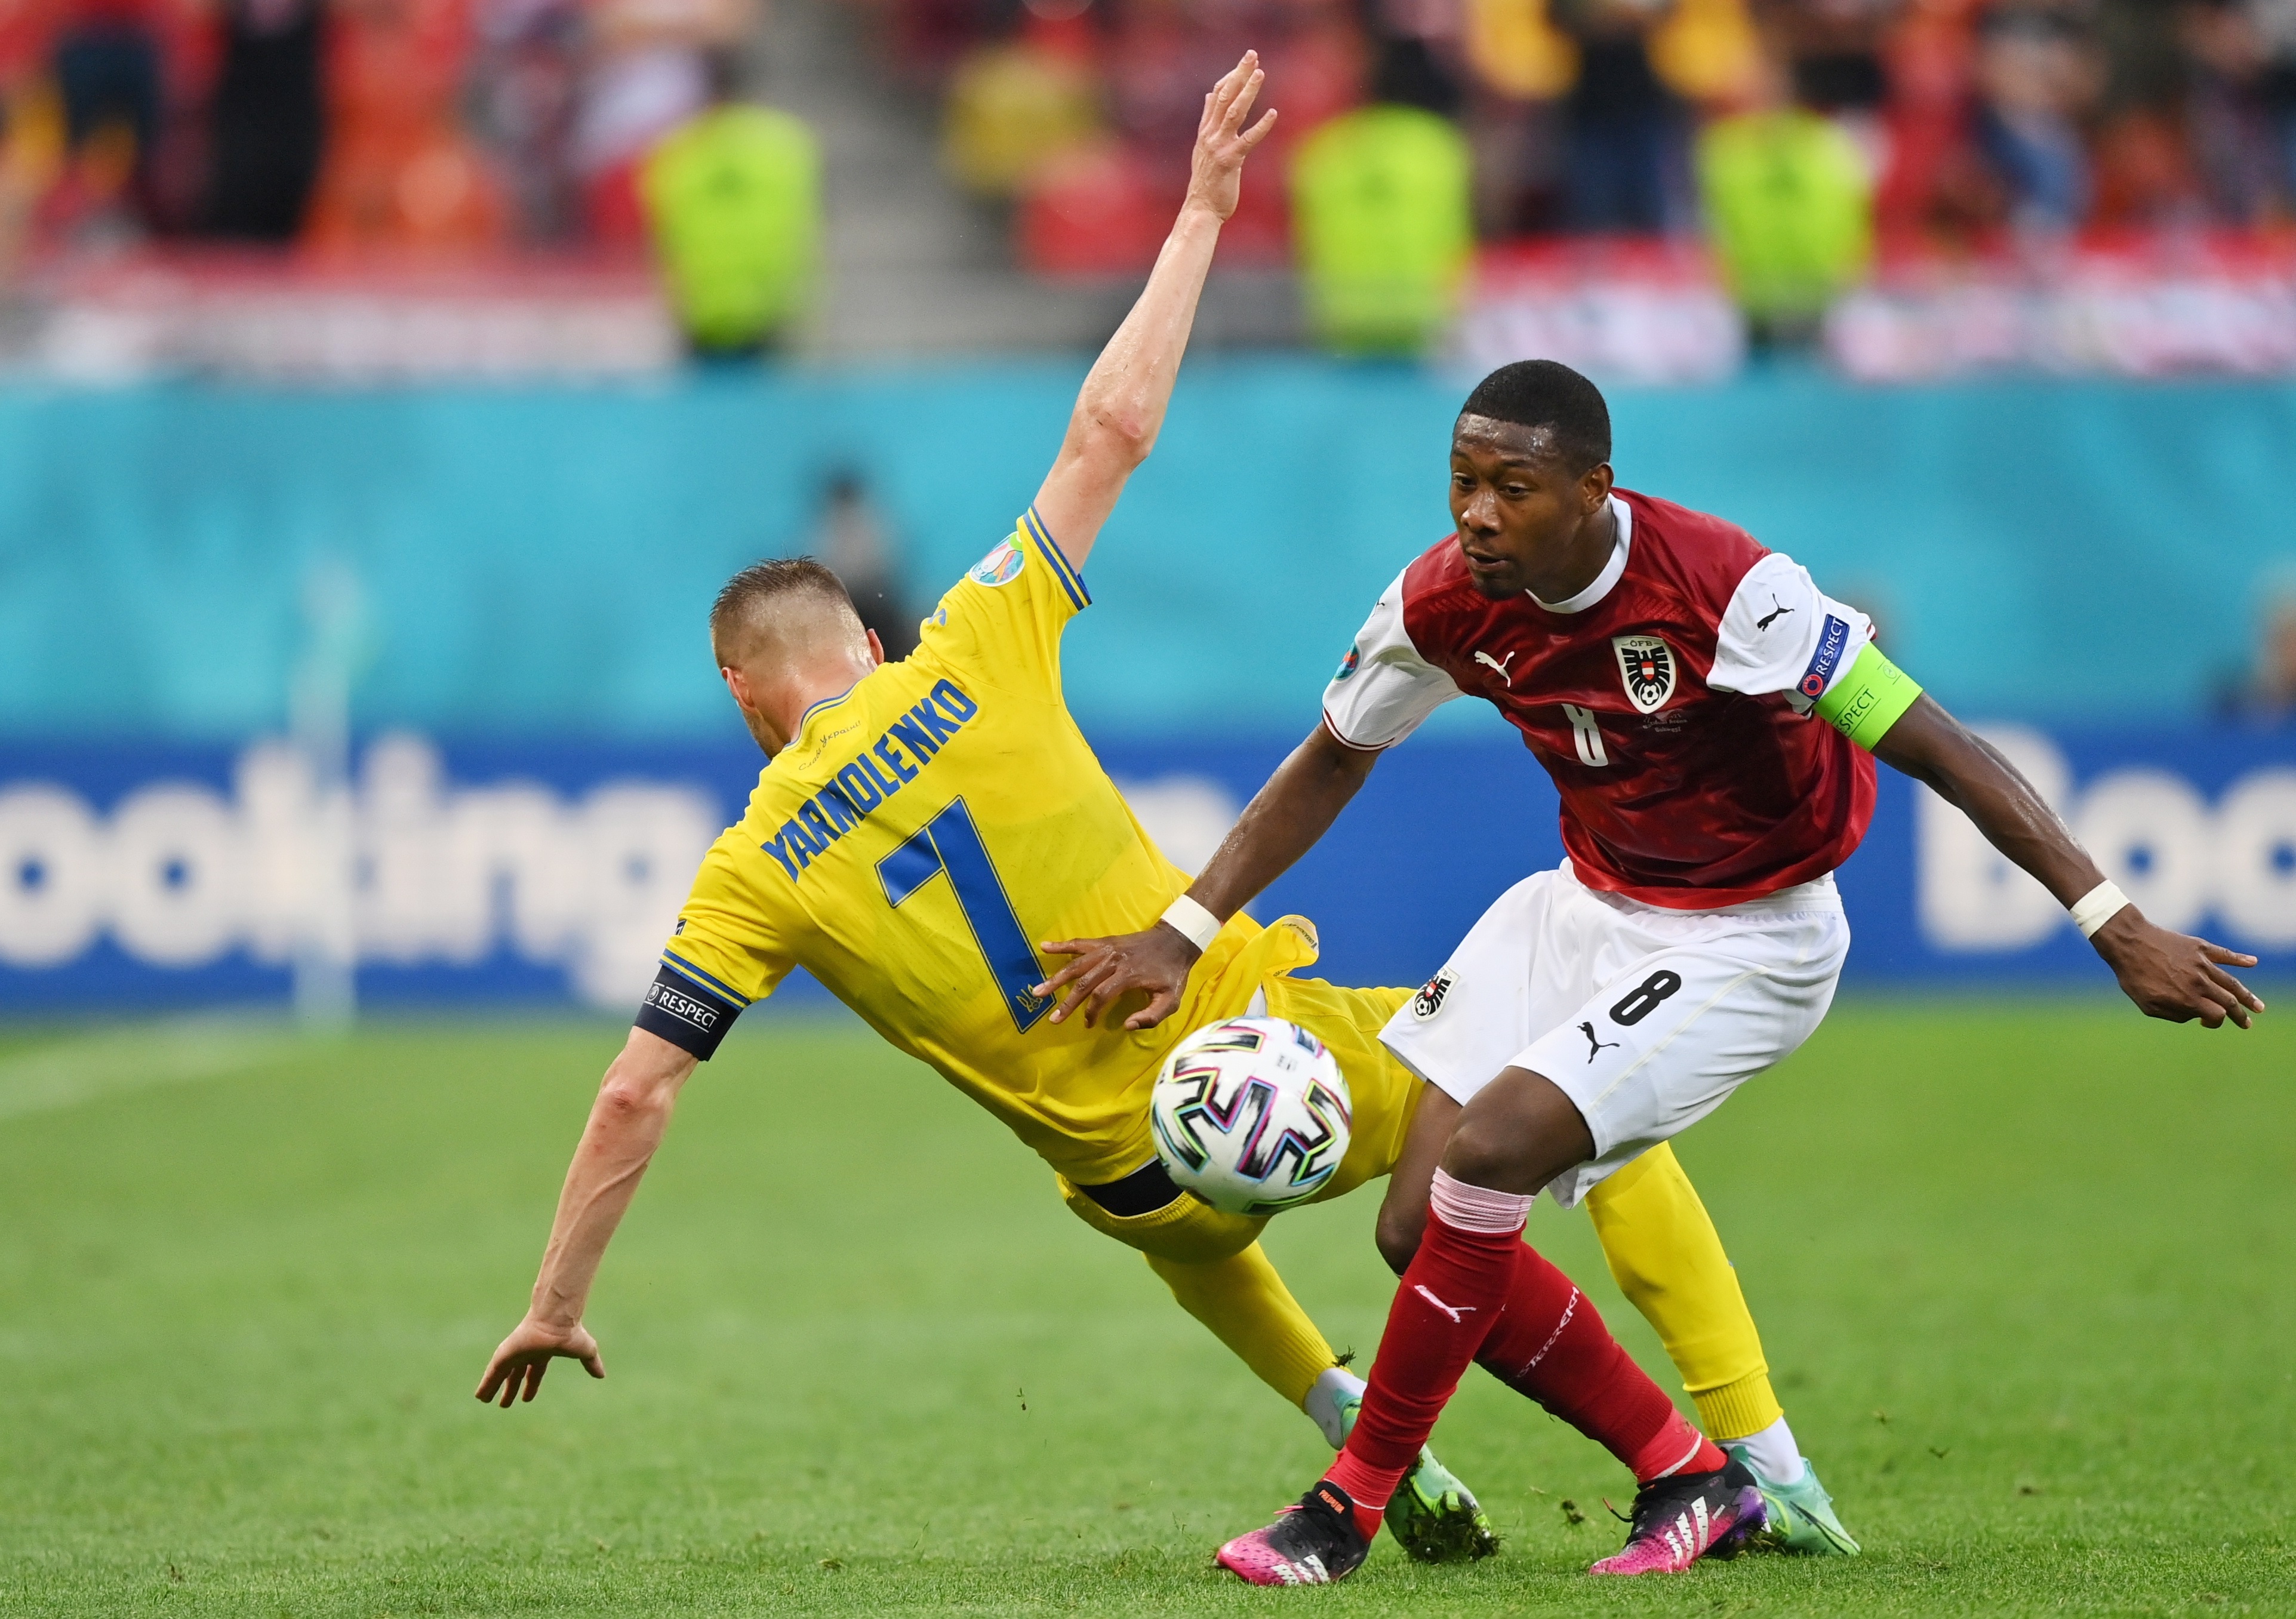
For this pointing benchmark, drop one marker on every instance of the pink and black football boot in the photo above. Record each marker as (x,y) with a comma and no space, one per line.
(1312,1543)
(1678,1520)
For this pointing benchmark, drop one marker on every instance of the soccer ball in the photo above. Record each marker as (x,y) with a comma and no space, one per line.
(1252,1115)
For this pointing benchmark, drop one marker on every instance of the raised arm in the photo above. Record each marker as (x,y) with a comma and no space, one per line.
(1282,822)
(2168,974)
(1121,408)
(626,1125)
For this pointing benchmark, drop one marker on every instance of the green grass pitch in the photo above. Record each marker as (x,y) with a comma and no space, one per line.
(2024,1273)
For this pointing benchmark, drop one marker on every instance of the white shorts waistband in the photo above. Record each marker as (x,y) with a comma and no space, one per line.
(1818,894)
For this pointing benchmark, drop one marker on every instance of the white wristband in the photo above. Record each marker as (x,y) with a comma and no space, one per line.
(1194,923)
(2098,907)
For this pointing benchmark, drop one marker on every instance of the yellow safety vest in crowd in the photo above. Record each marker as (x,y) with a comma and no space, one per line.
(1383,214)
(734,201)
(1791,207)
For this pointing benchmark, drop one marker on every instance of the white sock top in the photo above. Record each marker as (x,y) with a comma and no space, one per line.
(1773,1452)
(1478,1208)
(1325,1403)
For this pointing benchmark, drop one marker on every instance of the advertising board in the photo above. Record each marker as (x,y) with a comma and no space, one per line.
(146,877)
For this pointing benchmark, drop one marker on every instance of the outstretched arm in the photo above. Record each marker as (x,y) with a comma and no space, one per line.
(626,1125)
(2168,974)
(1121,408)
(1282,823)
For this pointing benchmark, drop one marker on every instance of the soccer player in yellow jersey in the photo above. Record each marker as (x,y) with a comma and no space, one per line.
(924,827)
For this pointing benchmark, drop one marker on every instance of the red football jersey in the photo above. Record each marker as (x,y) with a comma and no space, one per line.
(1669,700)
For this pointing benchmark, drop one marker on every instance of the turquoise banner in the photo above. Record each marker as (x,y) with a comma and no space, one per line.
(542,562)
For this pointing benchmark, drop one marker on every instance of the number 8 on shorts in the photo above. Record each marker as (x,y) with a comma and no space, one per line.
(1646,1018)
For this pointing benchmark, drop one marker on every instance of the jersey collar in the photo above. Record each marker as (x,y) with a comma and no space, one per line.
(1622,522)
(822,706)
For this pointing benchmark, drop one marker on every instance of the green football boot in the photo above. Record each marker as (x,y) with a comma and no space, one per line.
(1801,1515)
(1433,1516)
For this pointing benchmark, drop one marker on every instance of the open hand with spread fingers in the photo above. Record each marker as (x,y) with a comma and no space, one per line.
(1216,175)
(1104,971)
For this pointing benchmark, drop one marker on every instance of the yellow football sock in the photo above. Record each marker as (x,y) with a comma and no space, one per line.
(1666,1258)
(1249,1309)
(1215,1266)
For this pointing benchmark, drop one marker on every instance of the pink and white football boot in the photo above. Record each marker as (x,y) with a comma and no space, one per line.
(1690,1516)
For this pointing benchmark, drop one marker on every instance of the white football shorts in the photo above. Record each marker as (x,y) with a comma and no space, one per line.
(1647,1018)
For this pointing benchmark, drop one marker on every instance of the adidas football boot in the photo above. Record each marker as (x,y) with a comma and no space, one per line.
(1801,1517)
(1678,1520)
(1312,1543)
(1433,1516)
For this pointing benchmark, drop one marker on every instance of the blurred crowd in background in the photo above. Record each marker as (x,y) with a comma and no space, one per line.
(361,124)
(1801,135)
(1964,117)
(524,120)
(1804,141)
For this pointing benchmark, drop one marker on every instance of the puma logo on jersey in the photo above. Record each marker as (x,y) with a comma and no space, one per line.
(1458,1313)
(1484,657)
(1769,619)
(1595,1046)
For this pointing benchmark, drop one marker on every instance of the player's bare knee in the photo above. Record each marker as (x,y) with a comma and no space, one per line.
(1397,1235)
(1483,1152)
(1518,1133)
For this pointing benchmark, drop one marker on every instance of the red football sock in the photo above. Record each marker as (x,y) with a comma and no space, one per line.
(1677,1448)
(1352,1476)
(1451,1296)
(1551,1344)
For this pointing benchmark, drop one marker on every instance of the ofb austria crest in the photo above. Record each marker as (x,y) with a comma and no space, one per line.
(1647,665)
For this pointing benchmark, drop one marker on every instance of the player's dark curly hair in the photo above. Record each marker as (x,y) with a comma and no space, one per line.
(761,584)
(1546,393)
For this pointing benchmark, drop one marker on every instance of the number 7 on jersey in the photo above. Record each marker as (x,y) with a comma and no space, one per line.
(950,842)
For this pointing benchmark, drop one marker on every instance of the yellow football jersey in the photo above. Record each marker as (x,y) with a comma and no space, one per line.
(919,836)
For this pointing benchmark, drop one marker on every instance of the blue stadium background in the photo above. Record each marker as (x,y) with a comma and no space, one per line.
(2081,564)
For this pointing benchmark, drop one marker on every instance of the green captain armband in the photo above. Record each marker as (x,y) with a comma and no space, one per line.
(1871,698)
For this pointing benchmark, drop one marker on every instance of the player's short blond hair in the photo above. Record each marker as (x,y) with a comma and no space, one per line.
(772,598)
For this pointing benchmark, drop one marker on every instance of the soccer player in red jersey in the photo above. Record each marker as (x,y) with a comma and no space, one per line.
(1710,718)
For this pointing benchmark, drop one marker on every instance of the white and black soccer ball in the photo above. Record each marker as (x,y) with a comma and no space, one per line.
(1253,1115)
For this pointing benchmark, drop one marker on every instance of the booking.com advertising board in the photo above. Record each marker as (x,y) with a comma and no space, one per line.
(144,877)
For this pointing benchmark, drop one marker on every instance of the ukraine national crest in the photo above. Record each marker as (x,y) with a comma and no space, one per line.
(1647,666)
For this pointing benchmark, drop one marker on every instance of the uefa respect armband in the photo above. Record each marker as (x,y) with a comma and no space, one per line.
(1868,700)
(689,1009)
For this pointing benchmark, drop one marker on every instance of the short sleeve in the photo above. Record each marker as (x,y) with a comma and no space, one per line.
(726,952)
(1002,621)
(1781,633)
(1384,688)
